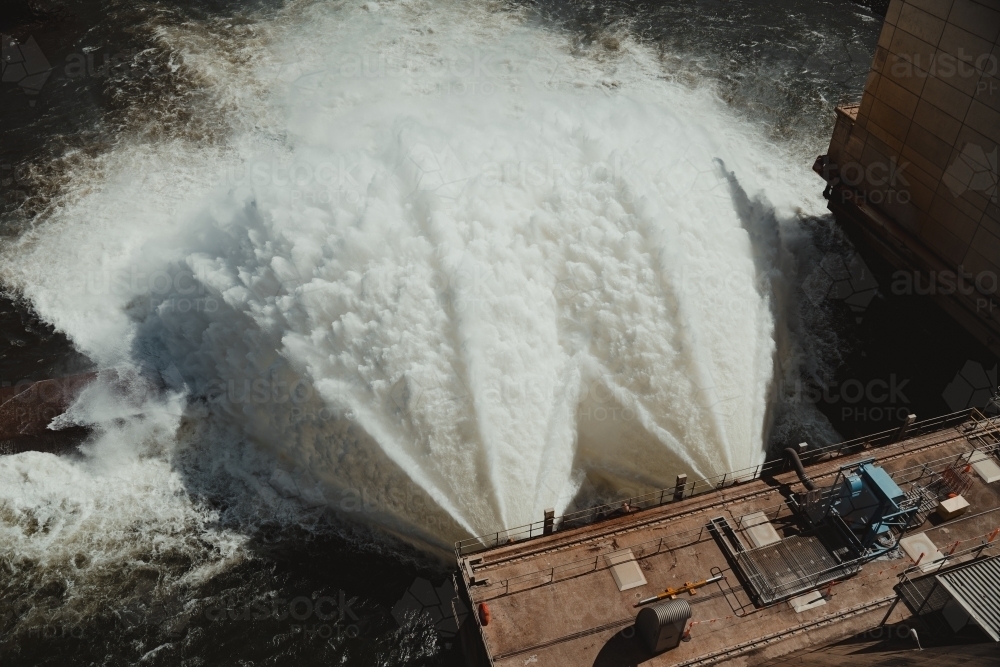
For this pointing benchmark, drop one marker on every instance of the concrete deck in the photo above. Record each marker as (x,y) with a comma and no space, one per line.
(554,602)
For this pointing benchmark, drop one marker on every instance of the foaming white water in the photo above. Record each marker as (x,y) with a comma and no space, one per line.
(440,267)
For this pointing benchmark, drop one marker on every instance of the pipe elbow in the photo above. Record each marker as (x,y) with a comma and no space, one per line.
(793,457)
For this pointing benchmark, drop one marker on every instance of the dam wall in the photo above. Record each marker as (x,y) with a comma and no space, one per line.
(912,168)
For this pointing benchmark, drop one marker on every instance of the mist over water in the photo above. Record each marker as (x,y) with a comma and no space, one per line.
(434,260)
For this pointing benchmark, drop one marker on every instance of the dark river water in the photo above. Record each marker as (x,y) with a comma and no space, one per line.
(211,580)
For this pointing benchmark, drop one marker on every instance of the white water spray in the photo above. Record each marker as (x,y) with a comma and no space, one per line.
(439,266)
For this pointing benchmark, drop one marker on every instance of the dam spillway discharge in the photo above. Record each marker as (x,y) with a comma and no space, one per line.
(369,294)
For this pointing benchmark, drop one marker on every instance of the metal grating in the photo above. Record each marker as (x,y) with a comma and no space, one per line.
(977,588)
(792,566)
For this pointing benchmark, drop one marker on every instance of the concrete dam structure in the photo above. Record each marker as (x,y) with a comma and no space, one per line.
(912,169)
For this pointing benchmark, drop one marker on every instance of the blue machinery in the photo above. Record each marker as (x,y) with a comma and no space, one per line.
(865,505)
(859,517)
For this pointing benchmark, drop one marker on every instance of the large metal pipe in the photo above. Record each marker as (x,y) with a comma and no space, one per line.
(793,456)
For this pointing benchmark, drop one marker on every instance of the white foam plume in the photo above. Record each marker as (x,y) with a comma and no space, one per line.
(438,261)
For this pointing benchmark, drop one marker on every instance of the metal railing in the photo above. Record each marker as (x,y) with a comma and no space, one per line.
(589,564)
(665,496)
(673,541)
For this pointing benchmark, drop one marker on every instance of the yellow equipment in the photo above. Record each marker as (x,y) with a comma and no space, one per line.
(674,592)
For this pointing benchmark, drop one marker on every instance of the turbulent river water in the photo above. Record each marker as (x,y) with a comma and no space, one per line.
(361,279)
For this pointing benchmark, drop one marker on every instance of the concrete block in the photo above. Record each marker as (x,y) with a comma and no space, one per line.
(921,196)
(897,97)
(889,119)
(910,154)
(936,121)
(985,466)
(807,601)
(946,97)
(885,143)
(625,569)
(885,37)
(977,18)
(892,13)
(991,226)
(934,149)
(864,110)
(952,507)
(878,62)
(945,244)
(841,131)
(984,120)
(965,49)
(903,212)
(856,144)
(986,243)
(903,73)
(956,222)
(972,203)
(759,529)
(919,23)
(988,88)
(914,51)
(976,264)
(939,8)
(871,83)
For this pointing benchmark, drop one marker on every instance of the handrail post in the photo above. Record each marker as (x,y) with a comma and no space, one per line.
(901,433)
(679,486)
